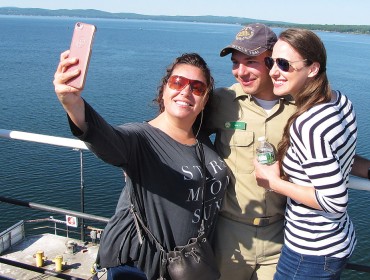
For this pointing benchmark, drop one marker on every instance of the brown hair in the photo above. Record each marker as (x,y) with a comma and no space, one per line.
(193,59)
(317,89)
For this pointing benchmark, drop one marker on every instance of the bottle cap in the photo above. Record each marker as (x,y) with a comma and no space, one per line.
(261,138)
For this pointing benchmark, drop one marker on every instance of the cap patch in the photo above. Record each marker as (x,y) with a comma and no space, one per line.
(245,33)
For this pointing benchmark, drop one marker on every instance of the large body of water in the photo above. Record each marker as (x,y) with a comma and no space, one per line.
(129,58)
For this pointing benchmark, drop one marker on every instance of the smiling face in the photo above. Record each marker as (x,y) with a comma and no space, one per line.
(183,104)
(294,80)
(252,74)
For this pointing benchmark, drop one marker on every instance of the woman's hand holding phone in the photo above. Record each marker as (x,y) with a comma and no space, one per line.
(81,48)
(70,76)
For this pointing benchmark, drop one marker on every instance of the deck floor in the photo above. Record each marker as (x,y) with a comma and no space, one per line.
(78,263)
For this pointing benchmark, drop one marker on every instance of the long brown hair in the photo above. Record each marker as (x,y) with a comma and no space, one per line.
(317,89)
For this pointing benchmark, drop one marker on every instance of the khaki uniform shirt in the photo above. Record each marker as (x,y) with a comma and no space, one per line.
(237,121)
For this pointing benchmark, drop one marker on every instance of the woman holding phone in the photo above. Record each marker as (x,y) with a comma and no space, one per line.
(160,159)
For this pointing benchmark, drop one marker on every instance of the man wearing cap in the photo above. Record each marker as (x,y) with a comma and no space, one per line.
(249,234)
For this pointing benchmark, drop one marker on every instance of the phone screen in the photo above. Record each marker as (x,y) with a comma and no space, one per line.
(81,47)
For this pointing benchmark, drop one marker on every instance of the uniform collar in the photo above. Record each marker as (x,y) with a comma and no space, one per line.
(239,93)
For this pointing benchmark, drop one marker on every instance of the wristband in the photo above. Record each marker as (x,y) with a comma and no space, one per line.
(368,173)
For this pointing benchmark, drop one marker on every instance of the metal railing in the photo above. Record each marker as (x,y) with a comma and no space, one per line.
(56,141)
(12,236)
(355,182)
(43,139)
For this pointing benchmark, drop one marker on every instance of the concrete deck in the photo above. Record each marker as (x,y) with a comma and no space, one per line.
(77,263)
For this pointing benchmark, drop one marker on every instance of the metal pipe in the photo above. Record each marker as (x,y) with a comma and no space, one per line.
(53,209)
(44,139)
(82,194)
(39,269)
(358,267)
(58,141)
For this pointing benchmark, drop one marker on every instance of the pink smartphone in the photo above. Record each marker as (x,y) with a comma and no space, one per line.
(81,47)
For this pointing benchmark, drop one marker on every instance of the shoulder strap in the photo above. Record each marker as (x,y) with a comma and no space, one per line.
(204,179)
(138,219)
(163,254)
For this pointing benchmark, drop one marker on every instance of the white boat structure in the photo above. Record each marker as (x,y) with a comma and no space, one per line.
(64,252)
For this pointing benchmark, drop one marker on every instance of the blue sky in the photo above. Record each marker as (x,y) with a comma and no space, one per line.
(314,11)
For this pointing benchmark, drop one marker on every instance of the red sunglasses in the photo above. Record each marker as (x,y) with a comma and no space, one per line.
(179,83)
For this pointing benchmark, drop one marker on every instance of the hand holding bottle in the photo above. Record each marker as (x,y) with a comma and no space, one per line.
(265,164)
(267,175)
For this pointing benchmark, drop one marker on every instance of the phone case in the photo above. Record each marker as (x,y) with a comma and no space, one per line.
(81,47)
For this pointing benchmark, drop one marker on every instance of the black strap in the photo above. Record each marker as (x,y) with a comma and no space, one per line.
(138,219)
(204,180)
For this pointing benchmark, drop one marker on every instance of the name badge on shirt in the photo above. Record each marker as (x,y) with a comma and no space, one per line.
(236,125)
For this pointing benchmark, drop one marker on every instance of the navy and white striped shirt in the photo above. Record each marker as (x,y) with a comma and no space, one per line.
(323,142)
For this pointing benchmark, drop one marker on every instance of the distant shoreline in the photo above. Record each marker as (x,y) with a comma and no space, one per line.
(14,11)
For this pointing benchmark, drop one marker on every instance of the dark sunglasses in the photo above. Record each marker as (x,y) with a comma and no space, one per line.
(282,63)
(179,83)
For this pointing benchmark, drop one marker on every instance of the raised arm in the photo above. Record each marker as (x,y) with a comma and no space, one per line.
(69,97)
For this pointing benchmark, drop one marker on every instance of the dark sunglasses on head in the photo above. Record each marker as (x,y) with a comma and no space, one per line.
(282,63)
(179,83)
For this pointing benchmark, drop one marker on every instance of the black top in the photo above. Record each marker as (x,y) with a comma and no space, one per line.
(166,177)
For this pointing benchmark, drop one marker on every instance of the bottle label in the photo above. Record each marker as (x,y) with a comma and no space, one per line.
(266,158)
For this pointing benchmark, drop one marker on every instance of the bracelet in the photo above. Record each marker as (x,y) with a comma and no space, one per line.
(368,173)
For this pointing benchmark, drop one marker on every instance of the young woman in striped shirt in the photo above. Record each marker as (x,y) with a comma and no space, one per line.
(316,157)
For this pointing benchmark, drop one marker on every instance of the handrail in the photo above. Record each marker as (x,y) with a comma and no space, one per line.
(57,141)
(53,209)
(41,270)
(44,139)
(355,182)
(359,183)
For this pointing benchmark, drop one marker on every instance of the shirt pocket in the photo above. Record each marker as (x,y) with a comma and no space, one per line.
(238,149)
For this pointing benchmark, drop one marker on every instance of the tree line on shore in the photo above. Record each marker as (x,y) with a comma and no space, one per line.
(90,13)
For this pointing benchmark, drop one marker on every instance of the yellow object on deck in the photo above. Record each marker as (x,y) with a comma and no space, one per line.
(40,258)
(59,263)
